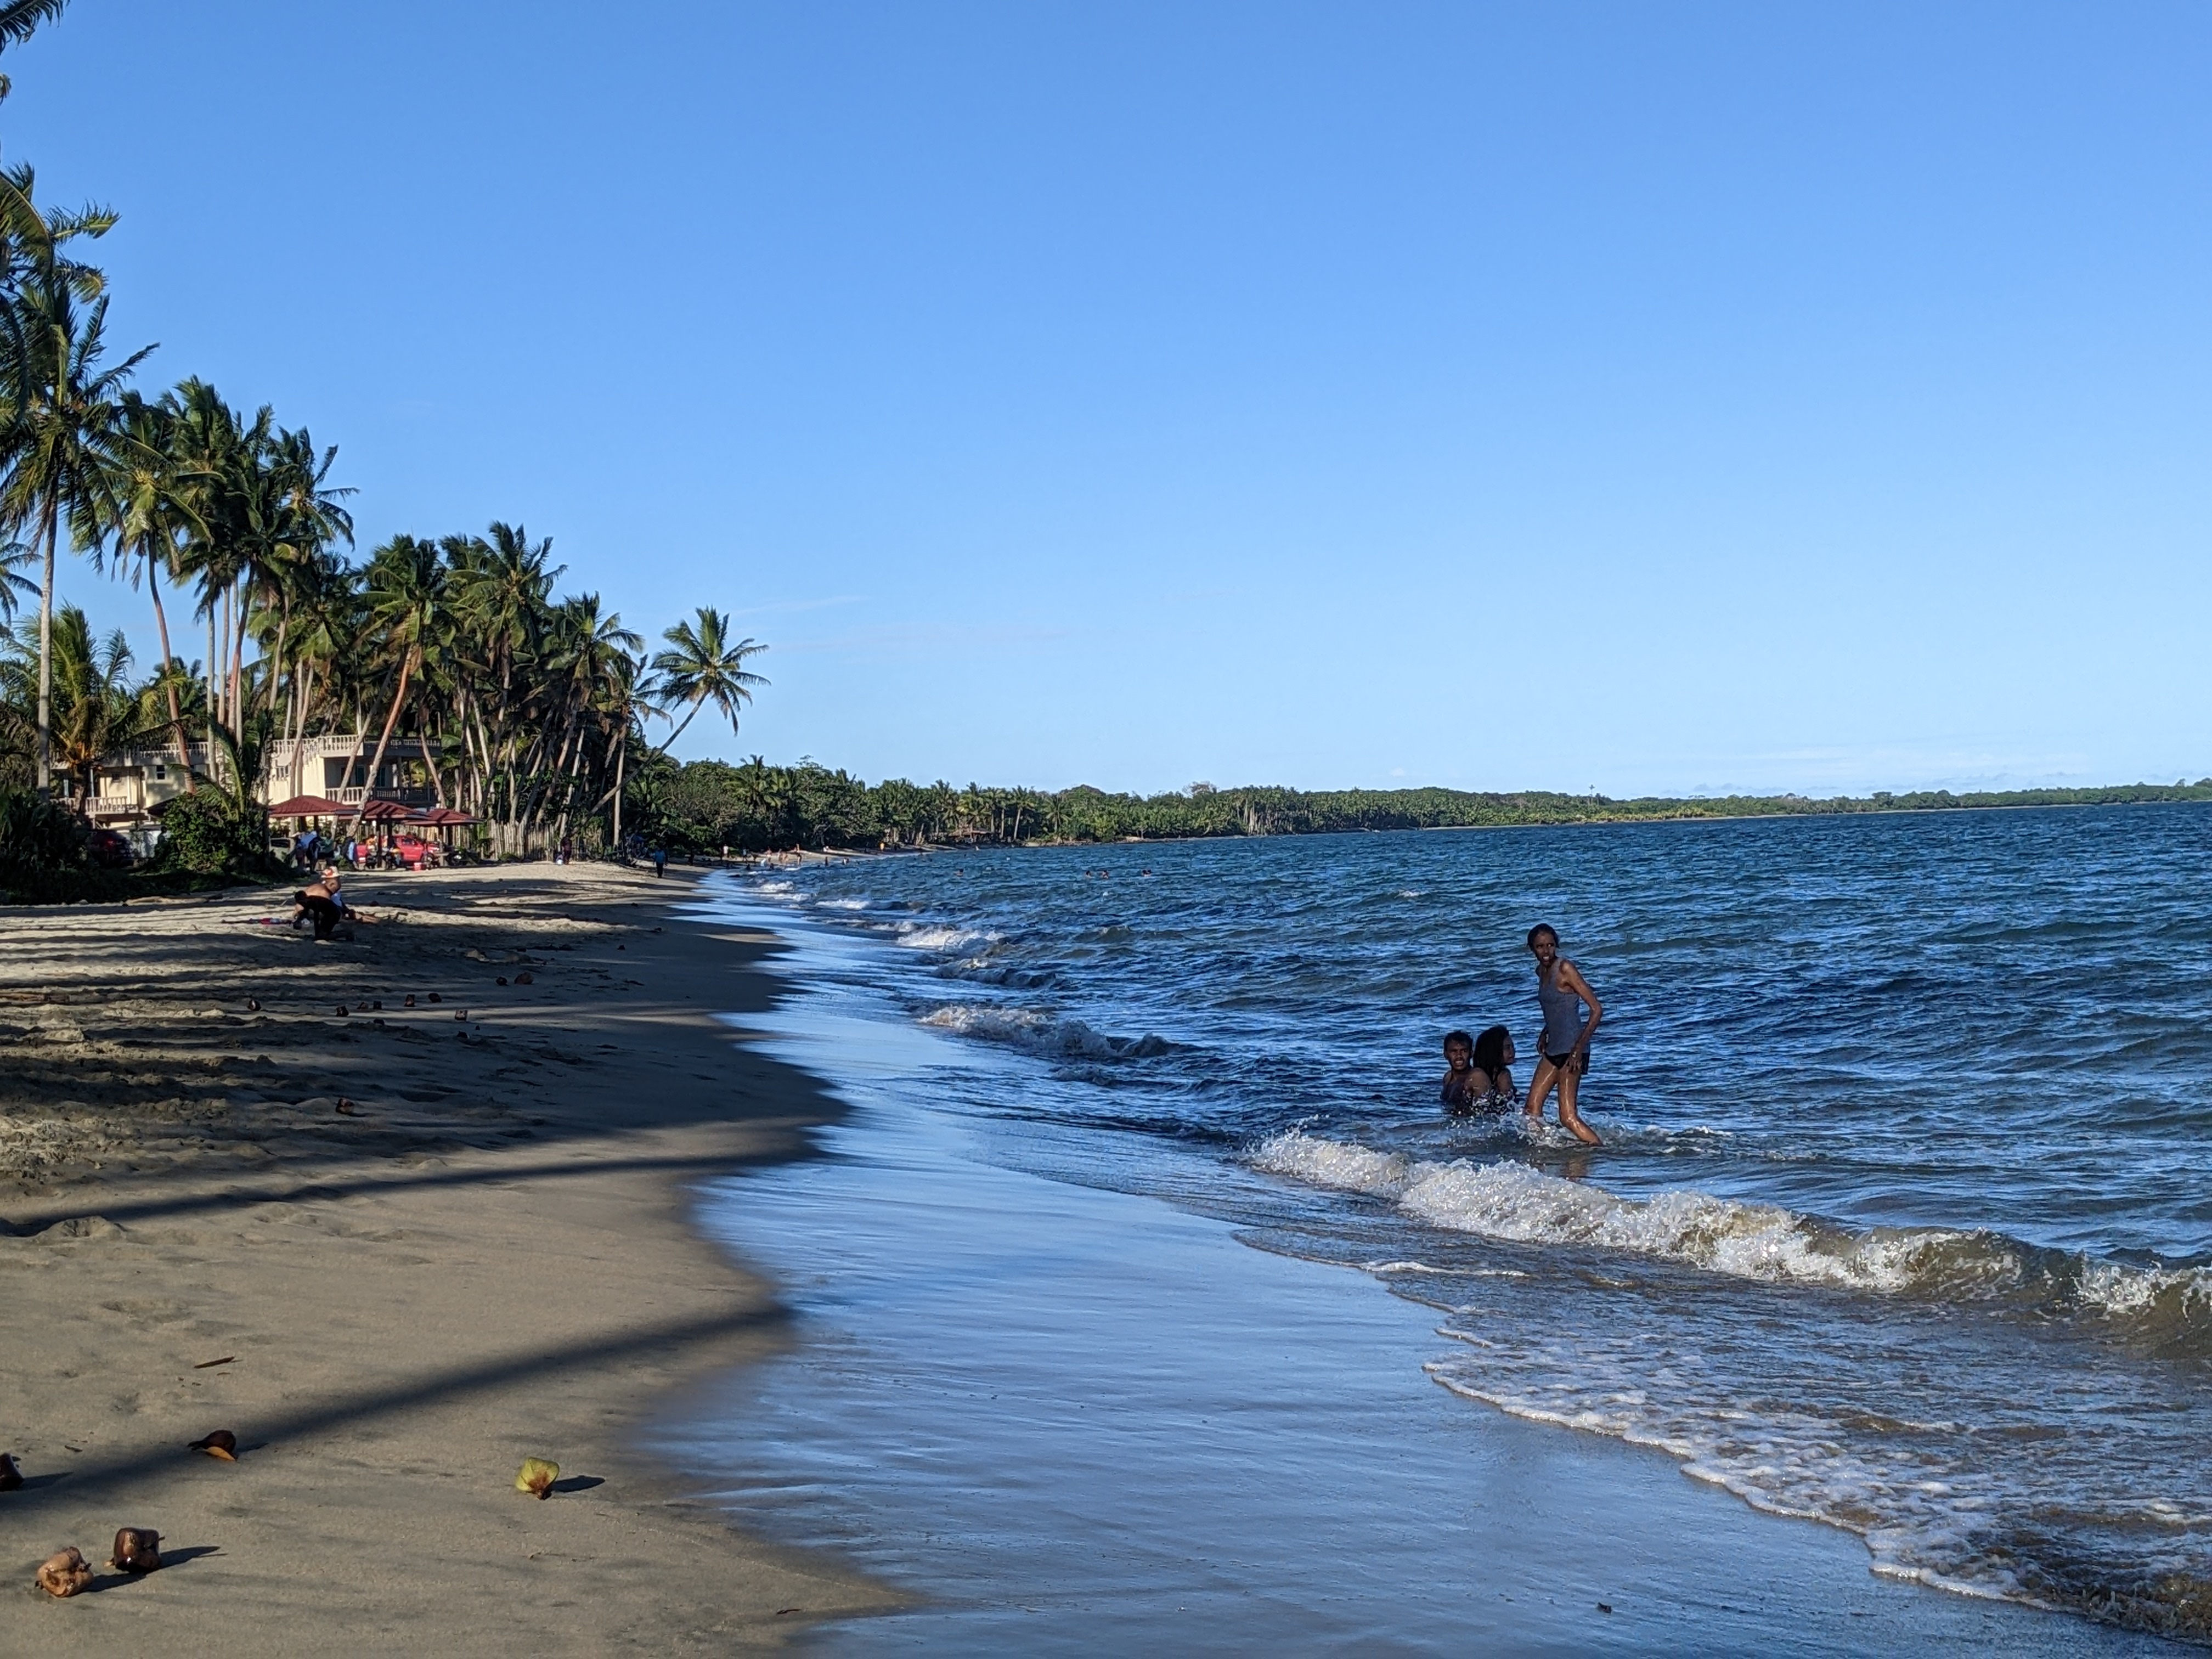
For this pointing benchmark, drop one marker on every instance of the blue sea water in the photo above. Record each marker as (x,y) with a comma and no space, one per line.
(1903,1221)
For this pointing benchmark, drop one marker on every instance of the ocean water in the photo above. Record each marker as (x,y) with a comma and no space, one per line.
(1904,1219)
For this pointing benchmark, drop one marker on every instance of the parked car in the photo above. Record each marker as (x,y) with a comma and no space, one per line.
(409,850)
(111,851)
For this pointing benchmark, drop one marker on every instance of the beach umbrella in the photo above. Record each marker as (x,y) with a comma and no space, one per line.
(385,811)
(306,806)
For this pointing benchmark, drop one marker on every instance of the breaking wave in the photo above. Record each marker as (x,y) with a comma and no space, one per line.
(1513,1202)
(1041,1033)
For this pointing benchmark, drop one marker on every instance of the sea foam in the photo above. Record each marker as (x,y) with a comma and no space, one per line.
(1040,1032)
(1510,1201)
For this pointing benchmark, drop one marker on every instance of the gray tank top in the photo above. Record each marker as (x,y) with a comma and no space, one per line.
(1563,1013)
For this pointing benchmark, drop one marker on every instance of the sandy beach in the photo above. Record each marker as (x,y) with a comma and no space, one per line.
(395,1251)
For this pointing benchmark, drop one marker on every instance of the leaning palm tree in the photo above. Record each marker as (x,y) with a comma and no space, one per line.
(705,666)
(61,434)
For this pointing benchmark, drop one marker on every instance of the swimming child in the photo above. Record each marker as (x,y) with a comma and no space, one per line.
(1494,1060)
(1477,1080)
(1461,1082)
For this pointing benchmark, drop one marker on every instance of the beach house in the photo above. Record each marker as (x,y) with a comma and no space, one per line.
(129,784)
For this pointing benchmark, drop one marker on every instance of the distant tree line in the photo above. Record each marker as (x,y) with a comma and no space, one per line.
(706,805)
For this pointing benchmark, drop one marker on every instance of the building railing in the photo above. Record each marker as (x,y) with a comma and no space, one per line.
(402,795)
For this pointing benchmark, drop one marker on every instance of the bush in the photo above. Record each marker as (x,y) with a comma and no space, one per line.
(204,834)
(46,853)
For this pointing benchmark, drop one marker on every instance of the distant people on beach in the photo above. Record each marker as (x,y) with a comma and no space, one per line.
(1477,1078)
(1561,991)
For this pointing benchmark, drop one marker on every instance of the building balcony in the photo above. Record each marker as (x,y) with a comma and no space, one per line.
(402,795)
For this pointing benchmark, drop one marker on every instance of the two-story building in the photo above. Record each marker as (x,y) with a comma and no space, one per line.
(129,784)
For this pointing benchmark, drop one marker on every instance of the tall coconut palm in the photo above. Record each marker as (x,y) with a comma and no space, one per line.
(705,665)
(406,597)
(217,456)
(61,434)
(153,520)
(296,515)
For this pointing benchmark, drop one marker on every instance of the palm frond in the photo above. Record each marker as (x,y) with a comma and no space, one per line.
(20,18)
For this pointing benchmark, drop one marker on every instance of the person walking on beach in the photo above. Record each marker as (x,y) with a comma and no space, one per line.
(1565,1050)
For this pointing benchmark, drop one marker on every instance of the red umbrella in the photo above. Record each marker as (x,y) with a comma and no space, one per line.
(306,806)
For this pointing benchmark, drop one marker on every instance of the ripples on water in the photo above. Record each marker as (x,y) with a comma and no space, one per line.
(1905,1223)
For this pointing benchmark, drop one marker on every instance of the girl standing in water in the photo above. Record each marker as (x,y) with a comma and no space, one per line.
(1565,1046)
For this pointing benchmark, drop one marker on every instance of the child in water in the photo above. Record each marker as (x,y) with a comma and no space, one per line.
(1478,1079)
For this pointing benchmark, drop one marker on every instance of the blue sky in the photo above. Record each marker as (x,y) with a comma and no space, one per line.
(1653,398)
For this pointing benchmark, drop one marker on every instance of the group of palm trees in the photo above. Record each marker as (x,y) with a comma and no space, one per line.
(525,705)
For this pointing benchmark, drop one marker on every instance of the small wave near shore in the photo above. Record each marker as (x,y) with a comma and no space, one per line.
(1511,1201)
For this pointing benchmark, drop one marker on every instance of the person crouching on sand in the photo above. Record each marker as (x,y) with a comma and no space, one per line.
(1566,1046)
(1477,1080)
(324,902)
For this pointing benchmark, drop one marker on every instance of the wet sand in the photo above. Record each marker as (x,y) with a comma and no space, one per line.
(488,1258)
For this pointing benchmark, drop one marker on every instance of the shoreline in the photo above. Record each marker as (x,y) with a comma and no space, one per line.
(1057,1402)
(492,1255)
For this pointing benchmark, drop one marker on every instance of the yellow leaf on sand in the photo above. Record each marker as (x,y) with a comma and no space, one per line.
(538,1476)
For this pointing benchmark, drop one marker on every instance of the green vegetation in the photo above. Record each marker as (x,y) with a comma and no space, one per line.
(708,805)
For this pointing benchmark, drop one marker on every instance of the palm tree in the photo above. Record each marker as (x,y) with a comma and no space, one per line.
(207,447)
(153,519)
(406,597)
(97,710)
(60,434)
(295,517)
(705,666)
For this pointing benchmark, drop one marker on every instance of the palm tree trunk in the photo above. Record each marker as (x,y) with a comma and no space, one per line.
(305,696)
(679,732)
(354,758)
(622,753)
(214,692)
(398,699)
(168,681)
(46,653)
(238,657)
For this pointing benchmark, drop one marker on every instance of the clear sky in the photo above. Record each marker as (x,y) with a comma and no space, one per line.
(1656,398)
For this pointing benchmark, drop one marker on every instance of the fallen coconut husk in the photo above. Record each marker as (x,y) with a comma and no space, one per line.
(538,1476)
(221,1443)
(137,1549)
(63,1573)
(10,1476)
